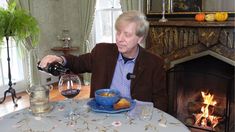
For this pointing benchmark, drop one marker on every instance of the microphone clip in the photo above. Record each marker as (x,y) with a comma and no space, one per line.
(130,76)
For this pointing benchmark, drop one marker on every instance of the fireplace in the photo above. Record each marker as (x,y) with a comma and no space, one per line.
(186,81)
(199,60)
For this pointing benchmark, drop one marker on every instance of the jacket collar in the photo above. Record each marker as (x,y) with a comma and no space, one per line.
(111,63)
(139,67)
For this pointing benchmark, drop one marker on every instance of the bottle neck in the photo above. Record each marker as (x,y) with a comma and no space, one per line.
(55,69)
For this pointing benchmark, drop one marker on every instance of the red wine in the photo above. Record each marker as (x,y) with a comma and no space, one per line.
(70,93)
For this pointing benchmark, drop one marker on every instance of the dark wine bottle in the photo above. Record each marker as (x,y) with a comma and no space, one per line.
(55,69)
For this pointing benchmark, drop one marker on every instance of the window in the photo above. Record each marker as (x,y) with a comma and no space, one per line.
(106,14)
(17,64)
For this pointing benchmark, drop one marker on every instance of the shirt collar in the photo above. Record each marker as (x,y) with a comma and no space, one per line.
(121,59)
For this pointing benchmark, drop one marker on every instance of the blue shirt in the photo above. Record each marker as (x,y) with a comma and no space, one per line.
(120,81)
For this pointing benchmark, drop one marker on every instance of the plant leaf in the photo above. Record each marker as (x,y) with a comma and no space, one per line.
(19,24)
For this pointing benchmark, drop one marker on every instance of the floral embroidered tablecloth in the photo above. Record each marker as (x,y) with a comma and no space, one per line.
(87,121)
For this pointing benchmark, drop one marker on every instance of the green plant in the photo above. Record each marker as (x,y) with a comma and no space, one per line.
(18,24)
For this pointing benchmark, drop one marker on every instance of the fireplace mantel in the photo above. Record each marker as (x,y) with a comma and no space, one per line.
(175,40)
(190,23)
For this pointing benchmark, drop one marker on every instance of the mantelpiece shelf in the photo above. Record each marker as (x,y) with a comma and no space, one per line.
(192,23)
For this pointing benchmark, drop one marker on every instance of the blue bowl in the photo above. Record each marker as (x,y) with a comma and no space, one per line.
(107,97)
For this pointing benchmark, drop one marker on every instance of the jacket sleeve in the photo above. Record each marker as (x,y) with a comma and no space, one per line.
(85,62)
(82,63)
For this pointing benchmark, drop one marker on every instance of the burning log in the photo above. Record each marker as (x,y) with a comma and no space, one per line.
(190,120)
(219,128)
(195,107)
(206,118)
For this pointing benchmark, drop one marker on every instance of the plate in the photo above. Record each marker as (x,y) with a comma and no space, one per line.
(101,109)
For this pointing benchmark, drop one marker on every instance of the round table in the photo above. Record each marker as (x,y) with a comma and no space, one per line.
(87,121)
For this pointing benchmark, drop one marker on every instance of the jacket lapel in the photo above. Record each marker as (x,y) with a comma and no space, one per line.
(111,63)
(138,69)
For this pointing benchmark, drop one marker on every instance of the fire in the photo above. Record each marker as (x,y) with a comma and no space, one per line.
(206,119)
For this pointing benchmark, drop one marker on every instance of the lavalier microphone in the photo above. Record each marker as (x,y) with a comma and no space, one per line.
(130,76)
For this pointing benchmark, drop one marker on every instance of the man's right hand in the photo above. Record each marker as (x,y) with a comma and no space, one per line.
(49,59)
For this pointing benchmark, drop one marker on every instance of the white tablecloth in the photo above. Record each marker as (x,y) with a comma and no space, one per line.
(88,121)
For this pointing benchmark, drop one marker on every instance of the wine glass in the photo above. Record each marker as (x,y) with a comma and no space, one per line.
(69,86)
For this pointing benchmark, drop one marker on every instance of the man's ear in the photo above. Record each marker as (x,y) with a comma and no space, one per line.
(140,39)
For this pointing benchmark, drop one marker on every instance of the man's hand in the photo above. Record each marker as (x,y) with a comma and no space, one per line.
(49,59)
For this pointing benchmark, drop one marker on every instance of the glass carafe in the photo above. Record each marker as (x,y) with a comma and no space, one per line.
(39,99)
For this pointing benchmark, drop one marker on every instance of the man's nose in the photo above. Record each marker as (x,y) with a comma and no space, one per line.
(120,37)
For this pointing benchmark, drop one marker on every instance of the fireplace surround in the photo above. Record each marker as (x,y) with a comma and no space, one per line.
(199,56)
(206,74)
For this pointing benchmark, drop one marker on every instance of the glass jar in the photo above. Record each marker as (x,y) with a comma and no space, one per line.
(39,99)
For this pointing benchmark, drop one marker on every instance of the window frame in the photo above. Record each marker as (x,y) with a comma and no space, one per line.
(112,10)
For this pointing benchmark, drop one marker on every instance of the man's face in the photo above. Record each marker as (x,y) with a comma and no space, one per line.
(126,39)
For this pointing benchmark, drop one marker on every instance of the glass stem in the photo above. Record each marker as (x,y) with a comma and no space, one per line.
(71,107)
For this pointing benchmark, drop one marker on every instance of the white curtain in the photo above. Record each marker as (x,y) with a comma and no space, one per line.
(86,10)
(132,5)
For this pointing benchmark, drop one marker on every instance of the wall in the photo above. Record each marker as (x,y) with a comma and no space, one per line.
(54,16)
(219,5)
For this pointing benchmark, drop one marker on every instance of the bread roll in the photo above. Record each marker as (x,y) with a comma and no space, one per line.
(122,104)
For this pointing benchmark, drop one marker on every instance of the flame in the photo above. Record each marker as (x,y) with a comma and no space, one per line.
(208,99)
(205,118)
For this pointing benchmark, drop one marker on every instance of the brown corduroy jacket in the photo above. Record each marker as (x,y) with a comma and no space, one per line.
(148,84)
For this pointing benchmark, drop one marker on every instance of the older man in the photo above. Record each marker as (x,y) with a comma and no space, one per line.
(124,66)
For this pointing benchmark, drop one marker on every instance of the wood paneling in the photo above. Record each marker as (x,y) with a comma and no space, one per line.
(175,40)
